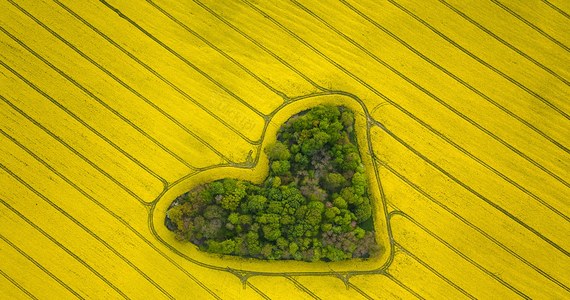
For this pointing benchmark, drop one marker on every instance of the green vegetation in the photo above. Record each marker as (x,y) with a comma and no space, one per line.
(314,205)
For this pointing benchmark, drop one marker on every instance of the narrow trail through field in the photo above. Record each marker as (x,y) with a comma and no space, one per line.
(107,107)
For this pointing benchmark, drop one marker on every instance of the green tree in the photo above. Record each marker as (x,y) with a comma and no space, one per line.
(334,254)
(347,118)
(216,188)
(335,181)
(175,216)
(359,183)
(256,203)
(350,196)
(253,244)
(363,211)
(271,232)
(213,212)
(280,167)
(293,247)
(275,207)
(225,247)
(331,212)
(230,202)
(277,151)
(233,218)
(315,210)
(340,203)
(267,251)
(351,160)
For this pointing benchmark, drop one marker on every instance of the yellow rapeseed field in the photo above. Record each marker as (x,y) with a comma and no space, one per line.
(110,109)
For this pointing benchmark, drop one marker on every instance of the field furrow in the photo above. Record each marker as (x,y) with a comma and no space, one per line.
(222,92)
(470,277)
(236,76)
(281,43)
(88,77)
(173,275)
(495,179)
(520,32)
(561,6)
(279,288)
(538,14)
(515,125)
(63,160)
(147,83)
(501,281)
(491,195)
(380,287)
(240,47)
(327,287)
(460,27)
(508,230)
(75,232)
(515,134)
(431,214)
(470,68)
(394,86)
(422,281)
(111,109)
(11,289)
(29,105)
(25,265)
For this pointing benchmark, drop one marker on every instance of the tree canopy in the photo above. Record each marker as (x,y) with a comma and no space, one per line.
(314,205)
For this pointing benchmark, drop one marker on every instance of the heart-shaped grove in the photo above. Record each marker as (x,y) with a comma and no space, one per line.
(314,204)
